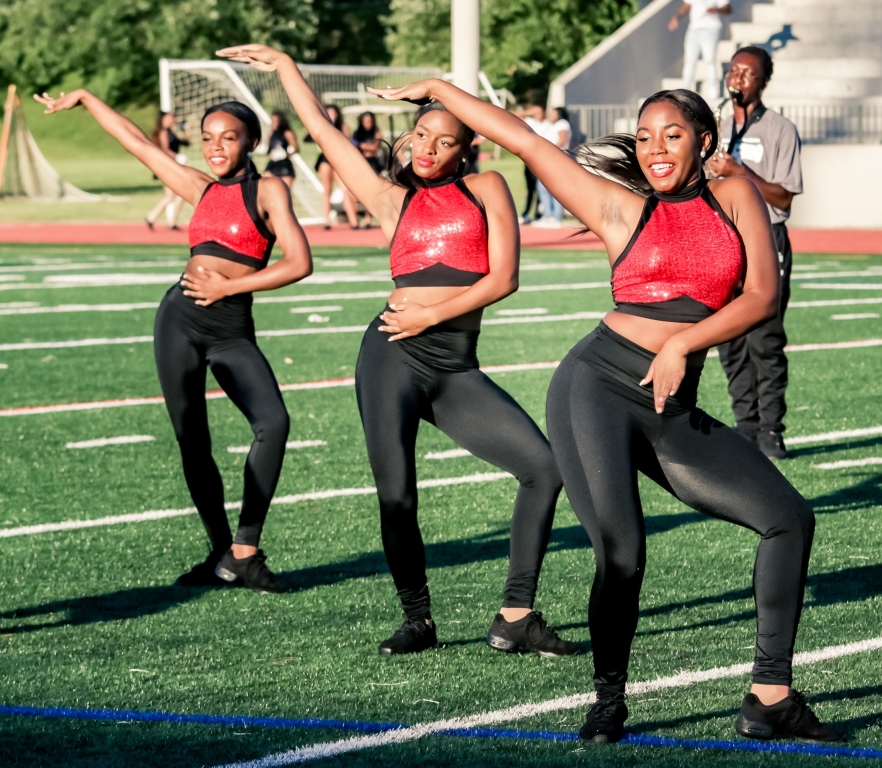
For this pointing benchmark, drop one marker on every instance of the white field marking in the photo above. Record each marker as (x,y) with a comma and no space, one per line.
(291,445)
(596,264)
(522,711)
(124,440)
(36,309)
(844,286)
(872,272)
(11,278)
(453,453)
(856,316)
(850,463)
(161,514)
(516,312)
(826,437)
(53,267)
(110,279)
(336,262)
(26,345)
(833,303)
(3,366)
(33,307)
(305,310)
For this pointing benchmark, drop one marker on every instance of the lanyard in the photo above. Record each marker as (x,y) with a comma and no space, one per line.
(755,117)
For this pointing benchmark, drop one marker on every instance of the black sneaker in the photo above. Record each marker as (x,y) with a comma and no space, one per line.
(414,636)
(251,571)
(772,444)
(605,720)
(202,575)
(530,633)
(790,718)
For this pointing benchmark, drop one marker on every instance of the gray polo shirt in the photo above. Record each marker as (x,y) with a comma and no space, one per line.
(770,148)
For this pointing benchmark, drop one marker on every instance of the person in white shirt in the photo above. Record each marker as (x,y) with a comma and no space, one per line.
(702,36)
(534,116)
(558,131)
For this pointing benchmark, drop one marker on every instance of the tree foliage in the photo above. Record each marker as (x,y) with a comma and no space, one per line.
(524,43)
(112,47)
(351,32)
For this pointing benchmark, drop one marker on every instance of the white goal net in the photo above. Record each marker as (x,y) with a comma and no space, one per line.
(24,172)
(188,88)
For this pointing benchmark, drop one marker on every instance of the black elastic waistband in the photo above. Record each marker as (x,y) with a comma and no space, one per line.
(441,347)
(238,302)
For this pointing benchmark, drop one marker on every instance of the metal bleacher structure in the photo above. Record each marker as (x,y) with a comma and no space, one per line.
(827,80)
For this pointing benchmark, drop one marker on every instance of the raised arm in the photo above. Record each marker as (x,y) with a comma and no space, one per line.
(274,202)
(382,198)
(503,242)
(188,183)
(592,199)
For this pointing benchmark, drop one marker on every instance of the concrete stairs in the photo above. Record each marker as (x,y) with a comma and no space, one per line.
(824,50)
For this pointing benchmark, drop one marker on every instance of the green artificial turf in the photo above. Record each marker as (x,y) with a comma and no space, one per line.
(89,619)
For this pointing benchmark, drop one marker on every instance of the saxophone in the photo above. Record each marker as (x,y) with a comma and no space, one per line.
(718,117)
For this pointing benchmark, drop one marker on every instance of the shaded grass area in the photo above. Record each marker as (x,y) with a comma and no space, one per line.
(89,619)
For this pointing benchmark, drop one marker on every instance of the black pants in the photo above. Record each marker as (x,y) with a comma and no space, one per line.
(755,363)
(188,339)
(530,178)
(603,430)
(435,377)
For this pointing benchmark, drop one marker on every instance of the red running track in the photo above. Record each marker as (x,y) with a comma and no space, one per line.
(804,240)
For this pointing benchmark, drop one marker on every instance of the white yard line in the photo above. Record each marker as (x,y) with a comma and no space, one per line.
(291,445)
(872,272)
(109,264)
(843,434)
(524,312)
(100,443)
(101,342)
(856,316)
(848,464)
(453,453)
(844,286)
(161,514)
(522,711)
(35,309)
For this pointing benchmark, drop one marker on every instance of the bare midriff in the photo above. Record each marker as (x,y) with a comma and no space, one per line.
(427,296)
(649,334)
(225,267)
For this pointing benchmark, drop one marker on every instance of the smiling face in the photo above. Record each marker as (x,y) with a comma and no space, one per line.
(437,143)
(225,144)
(668,147)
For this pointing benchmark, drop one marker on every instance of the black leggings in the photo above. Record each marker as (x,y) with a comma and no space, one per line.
(188,339)
(435,377)
(603,430)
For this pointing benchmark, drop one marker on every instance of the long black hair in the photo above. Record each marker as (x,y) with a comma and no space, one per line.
(284,125)
(404,176)
(365,134)
(615,156)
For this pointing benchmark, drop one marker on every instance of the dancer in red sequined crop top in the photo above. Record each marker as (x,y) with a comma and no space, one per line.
(205,321)
(694,266)
(454,250)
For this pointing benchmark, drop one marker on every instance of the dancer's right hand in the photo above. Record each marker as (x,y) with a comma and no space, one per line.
(64,101)
(416,93)
(260,57)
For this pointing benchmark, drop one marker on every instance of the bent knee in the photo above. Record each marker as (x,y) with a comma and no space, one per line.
(542,474)
(272,429)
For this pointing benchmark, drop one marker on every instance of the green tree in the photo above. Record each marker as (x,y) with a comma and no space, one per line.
(351,32)
(524,43)
(113,46)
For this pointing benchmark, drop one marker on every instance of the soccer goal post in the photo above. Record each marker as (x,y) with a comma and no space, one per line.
(188,88)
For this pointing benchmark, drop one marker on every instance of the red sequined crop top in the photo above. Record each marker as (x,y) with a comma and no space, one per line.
(227,223)
(684,261)
(441,237)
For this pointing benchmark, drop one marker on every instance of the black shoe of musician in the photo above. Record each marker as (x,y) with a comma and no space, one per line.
(414,636)
(604,723)
(530,633)
(202,575)
(772,444)
(790,718)
(251,571)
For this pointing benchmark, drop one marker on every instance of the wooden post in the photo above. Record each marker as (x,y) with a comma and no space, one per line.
(11,98)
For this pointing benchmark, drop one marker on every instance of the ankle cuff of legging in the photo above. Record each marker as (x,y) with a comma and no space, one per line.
(767,680)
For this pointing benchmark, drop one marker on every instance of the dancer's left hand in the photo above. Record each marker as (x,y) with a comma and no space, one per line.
(416,93)
(406,320)
(205,285)
(666,372)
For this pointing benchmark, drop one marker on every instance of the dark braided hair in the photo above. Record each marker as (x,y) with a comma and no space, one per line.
(765,59)
(615,157)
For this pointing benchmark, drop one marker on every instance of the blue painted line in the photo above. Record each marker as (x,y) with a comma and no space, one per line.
(631,739)
(171,717)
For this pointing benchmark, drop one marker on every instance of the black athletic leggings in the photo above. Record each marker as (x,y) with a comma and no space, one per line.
(435,377)
(188,339)
(603,430)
